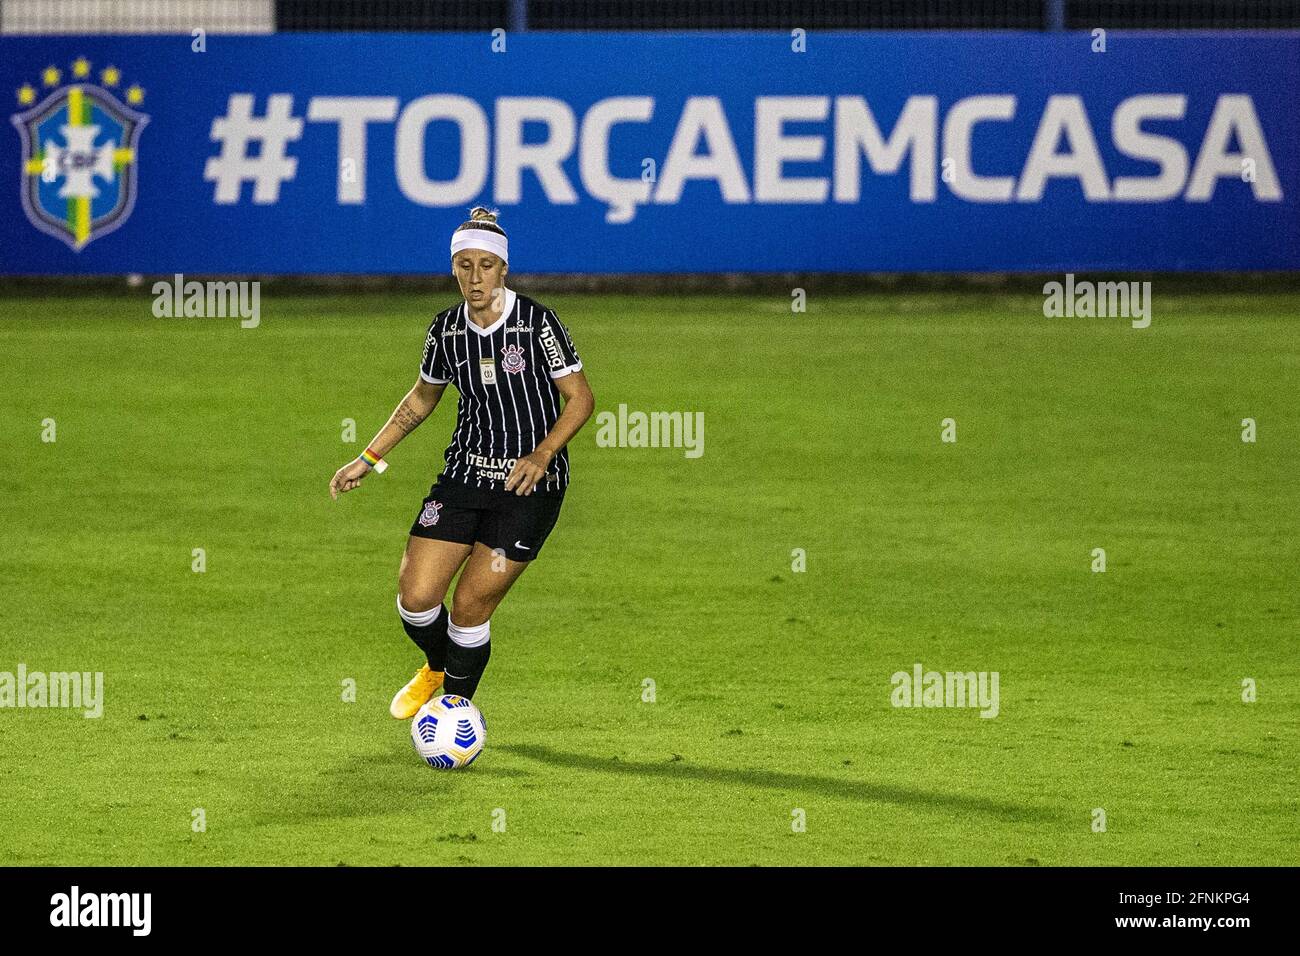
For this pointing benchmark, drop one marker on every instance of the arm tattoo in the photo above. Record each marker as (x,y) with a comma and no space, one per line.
(406,418)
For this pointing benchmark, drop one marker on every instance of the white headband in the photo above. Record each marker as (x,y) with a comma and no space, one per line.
(484,239)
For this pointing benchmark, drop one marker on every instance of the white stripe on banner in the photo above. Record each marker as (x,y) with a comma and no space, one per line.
(136,16)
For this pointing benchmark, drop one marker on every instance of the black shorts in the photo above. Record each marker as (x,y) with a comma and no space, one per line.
(515,524)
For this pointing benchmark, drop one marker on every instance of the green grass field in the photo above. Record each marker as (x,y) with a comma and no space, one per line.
(1119,690)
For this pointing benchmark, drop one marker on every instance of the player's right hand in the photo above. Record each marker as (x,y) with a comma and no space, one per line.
(348,477)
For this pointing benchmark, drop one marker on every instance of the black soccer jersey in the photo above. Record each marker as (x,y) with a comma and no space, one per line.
(508,399)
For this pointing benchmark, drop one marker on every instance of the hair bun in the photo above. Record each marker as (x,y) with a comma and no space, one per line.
(483,214)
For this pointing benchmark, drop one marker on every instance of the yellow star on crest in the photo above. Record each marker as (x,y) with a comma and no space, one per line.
(135,95)
(81,68)
(26,95)
(111,76)
(51,76)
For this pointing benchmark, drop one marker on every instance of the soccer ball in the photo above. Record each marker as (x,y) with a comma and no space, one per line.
(448,732)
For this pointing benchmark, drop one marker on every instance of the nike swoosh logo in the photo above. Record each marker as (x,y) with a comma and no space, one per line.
(522,547)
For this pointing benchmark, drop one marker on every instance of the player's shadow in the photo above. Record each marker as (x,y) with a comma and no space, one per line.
(858,790)
(373,784)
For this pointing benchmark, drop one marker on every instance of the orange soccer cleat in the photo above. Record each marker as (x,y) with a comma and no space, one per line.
(416,693)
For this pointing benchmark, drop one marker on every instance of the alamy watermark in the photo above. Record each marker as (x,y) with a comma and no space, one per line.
(75,908)
(922,688)
(208,300)
(79,690)
(1086,299)
(626,429)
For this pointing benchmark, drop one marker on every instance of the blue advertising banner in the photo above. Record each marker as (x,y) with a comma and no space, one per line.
(633,152)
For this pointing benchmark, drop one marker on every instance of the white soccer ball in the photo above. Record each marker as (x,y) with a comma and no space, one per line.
(448,732)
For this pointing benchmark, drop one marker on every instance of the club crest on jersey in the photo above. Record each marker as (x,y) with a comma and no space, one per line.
(513,359)
(80,152)
(429,517)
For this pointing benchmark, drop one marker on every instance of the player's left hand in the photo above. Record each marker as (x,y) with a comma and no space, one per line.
(528,471)
(348,477)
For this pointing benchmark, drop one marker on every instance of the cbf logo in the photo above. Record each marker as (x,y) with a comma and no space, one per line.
(79,153)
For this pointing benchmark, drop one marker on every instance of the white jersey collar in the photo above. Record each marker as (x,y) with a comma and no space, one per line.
(509,299)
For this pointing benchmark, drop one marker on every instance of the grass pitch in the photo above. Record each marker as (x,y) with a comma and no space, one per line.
(1119,690)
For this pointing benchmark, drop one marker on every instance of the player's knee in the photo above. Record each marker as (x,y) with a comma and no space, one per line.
(416,600)
(470,610)
(415,594)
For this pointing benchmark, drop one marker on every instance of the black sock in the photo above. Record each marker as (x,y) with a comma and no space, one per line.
(465,667)
(431,638)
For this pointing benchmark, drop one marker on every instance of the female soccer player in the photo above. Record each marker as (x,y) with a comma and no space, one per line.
(507,466)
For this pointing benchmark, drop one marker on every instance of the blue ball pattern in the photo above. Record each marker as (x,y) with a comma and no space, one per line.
(427,728)
(465,735)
